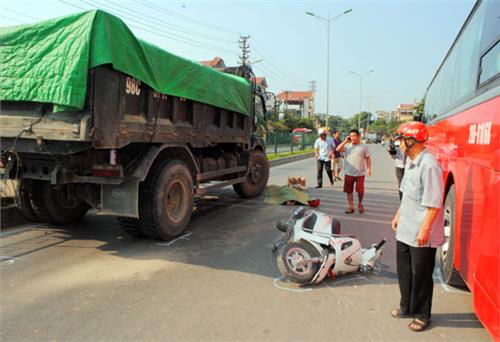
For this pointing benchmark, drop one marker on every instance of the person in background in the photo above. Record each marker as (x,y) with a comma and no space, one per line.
(399,162)
(357,163)
(419,226)
(337,161)
(323,148)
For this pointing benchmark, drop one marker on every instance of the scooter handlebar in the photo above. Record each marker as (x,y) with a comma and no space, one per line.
(380,244)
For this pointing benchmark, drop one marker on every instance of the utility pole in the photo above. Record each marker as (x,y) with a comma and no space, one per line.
(360,92)
(313,86)
(245,53)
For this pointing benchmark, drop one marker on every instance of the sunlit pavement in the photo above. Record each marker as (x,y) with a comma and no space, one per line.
(217,282)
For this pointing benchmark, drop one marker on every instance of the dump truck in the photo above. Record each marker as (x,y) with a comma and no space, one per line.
(93,117)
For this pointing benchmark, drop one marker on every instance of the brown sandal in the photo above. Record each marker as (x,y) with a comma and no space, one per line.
(418,324)
(349,211)
(397,313)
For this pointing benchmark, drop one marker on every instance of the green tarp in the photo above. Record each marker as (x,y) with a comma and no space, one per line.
(49,61)
(275,194)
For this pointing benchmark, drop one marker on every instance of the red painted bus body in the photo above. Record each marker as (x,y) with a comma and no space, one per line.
(462,111)
(475,171)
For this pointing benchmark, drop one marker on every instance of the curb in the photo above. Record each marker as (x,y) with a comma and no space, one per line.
(291,159)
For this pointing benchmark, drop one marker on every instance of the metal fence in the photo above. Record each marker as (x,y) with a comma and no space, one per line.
(282,142)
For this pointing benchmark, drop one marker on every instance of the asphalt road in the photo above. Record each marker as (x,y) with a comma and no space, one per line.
(91,282)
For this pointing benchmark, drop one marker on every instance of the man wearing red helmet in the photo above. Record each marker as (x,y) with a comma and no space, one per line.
(419,226)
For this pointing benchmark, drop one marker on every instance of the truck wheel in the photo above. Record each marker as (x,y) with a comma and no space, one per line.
(131,226)
(445,253)
(166,201)
(23,200)
(54,205)
(293,253)
(257,177)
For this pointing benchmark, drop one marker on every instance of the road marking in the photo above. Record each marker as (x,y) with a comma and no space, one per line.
(438,275)
(276,285)
(183,237)
(356,277)
(7,260)
(21,229)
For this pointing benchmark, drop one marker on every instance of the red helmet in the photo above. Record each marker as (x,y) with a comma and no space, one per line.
(413,130)
(314,203)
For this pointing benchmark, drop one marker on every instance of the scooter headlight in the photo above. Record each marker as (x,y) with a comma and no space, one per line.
(284,225)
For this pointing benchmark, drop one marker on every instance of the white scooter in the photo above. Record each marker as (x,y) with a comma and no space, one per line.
(313,248)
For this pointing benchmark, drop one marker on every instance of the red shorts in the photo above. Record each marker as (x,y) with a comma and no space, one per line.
(349,184)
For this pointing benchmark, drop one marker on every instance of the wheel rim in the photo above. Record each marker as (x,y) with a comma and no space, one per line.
(294,256)
(447,232)
(175,206)
(255,173)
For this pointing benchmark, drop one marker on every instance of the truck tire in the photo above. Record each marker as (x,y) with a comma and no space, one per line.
(131,226)
(23,200)
(257,177)
(51,204)
(166,200)
(445,254)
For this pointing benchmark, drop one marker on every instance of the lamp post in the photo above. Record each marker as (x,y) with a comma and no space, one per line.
(368,98)
(328,21)
(360,91)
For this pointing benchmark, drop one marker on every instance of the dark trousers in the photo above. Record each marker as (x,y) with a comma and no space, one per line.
(328,167)
(399,175)
(415,266)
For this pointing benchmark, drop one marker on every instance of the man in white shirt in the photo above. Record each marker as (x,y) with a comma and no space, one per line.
(357,164)
(323,148)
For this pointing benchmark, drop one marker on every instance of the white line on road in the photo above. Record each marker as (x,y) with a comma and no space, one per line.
(21,229)
(183,237)
(7,260)
(276,285)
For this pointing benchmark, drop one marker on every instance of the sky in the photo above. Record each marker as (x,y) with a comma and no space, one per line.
(403,42)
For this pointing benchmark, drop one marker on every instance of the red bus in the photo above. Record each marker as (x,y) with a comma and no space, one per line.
(462,111)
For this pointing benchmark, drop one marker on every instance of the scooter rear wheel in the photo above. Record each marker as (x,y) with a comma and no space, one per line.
(292,254)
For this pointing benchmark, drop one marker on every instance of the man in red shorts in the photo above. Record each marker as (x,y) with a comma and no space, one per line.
(357,163)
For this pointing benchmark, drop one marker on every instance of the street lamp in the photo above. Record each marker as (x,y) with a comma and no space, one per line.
(360,91)
(328,21)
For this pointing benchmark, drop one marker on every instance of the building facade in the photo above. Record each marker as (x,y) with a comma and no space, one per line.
(301,103)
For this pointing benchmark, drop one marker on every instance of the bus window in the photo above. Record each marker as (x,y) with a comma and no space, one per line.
(490,64)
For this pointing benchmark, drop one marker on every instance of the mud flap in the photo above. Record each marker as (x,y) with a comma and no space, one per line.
(122,199)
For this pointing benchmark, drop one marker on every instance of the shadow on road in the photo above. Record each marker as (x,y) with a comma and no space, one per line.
(227,233)
(455,320)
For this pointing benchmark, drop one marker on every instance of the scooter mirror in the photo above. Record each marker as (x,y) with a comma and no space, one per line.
(284,225)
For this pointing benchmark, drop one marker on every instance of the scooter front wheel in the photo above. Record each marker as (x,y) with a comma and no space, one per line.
(292,255)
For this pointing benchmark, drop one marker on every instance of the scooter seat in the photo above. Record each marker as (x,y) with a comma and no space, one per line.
(343,236)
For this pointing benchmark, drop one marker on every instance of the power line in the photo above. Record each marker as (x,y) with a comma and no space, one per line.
(273,74)
(12,19)
(73,5)
(138,21)
(269,59)
(169,26)
(186,18)
(19,13)
(163,33)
